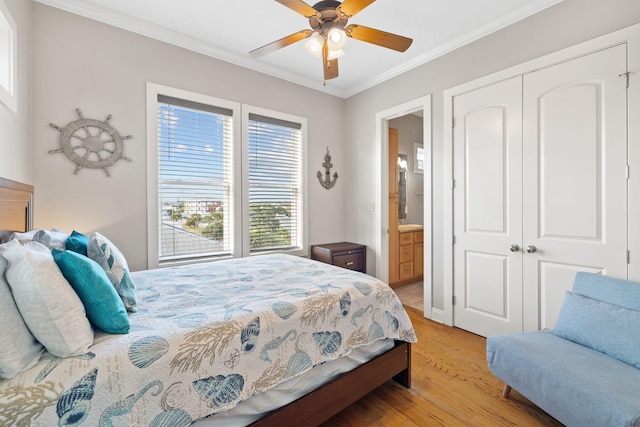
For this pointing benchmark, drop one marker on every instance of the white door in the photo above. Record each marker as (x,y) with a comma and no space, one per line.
(574,181)
(539,162)
(488,208)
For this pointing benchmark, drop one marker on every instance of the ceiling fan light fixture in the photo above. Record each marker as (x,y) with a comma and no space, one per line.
(336,38)
(335,54)
(314,45)
(329,31)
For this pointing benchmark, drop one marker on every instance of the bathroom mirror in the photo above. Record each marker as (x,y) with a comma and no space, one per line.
(402,188)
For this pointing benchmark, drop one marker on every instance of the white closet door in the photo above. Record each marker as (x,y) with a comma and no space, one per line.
(574,178)
(488,208)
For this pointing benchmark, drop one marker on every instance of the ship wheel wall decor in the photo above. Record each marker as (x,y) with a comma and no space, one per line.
(91,143)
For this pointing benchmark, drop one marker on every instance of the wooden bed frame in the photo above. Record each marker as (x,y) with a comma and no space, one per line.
(331,398)
(16,213)
(16,205)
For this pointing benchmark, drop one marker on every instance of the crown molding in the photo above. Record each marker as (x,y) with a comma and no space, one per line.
(175,38)
(497,24)
(153,31)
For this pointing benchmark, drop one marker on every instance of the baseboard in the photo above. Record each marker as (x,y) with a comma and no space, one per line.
(437,315)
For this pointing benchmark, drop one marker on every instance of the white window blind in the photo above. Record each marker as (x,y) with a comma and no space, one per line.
(195,197)
(275,184)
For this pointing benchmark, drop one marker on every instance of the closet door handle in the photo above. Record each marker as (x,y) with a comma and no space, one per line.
(514,248)
(531,249)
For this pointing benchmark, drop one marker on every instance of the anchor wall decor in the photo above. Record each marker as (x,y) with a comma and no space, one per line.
(327,182)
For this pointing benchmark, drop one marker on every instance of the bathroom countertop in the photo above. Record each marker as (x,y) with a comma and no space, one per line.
(406,228)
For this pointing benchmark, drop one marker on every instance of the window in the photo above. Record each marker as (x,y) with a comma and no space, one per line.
(274,150)
(222,183)
(195,202)
(8,52)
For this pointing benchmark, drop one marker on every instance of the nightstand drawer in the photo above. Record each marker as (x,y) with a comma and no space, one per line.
(346,255)
(351,261)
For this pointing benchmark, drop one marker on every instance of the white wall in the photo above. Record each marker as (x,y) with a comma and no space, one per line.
(80,63)
(410,132)
(15,141)
(563,25)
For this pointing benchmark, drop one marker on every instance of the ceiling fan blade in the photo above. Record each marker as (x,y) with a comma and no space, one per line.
(299,6)
(330,66)
(348,8)
(377,37)
(278,44)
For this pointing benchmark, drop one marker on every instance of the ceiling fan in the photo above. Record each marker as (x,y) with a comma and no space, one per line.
(328,20)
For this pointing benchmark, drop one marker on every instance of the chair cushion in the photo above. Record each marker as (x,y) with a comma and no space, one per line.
(607,328)
(608,289)
(575,384)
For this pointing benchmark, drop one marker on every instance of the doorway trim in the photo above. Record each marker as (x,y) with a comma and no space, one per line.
(382,195)
(629,35)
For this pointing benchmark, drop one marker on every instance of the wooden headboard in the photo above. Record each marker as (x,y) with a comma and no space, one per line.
(16,210)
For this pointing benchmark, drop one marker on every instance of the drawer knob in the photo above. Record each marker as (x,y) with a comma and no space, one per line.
(350,263)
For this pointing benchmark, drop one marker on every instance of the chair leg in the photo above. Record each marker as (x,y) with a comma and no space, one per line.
(506,390)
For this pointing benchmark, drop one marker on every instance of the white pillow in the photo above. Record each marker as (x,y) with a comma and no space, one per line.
(48,304)
(51,239)
(27,235)
(109,257)
(19,350)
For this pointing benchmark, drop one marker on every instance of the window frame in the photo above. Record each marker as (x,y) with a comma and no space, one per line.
(153,253)
(240,175)
(246,111)
(8,95)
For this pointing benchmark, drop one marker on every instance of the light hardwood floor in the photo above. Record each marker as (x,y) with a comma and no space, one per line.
(451,386)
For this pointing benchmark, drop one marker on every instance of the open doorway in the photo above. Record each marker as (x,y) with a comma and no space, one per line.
(412,121)
(406,208)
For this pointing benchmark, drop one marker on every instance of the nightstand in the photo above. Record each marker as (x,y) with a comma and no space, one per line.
(344,254)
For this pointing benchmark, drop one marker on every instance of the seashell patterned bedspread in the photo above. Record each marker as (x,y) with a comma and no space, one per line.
(206,337)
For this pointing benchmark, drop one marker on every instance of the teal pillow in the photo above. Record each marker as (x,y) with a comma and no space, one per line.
(78,242)
(607,328)
(102,303)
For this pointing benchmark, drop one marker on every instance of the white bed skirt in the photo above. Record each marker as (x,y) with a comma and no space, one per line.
(256,406)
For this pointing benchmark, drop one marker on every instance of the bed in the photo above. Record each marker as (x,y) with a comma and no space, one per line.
(254,341)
